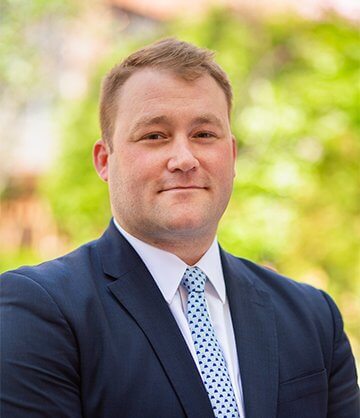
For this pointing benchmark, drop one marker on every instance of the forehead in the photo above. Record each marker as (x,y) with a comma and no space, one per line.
(152,90)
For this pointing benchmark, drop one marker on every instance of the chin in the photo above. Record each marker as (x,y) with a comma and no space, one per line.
(188,225)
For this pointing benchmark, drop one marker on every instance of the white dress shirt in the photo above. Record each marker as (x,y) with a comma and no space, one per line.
(167,270)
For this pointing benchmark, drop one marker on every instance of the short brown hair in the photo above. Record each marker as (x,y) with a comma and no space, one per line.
(184,59)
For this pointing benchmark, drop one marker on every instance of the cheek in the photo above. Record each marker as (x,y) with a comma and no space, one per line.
(221,163)
(148,170)
(135,175)
(141,160)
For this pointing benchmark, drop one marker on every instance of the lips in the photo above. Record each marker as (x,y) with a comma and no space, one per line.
(189,187)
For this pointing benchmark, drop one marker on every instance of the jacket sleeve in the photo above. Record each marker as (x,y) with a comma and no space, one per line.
(344,398)
(39,358)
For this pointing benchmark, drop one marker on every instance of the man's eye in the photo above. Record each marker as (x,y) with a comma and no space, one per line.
(204,135)
(153,136)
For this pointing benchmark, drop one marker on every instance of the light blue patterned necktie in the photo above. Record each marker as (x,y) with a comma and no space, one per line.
(213,368)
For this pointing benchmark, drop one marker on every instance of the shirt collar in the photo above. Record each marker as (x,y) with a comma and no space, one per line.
(167,269)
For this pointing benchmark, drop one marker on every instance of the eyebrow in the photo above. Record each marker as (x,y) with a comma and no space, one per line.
(207,118)
(151,120)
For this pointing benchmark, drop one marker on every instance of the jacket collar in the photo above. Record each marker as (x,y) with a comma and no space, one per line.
(255,331)
(137,292)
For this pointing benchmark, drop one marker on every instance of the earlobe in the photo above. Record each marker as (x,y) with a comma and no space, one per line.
(100,159)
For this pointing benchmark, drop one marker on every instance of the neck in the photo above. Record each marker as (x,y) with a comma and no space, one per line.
(189,252)
(189,248)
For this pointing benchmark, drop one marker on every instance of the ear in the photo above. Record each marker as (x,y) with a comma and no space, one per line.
(234,151)
(100,158)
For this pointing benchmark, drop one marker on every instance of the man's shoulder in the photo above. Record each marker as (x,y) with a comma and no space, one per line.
(283,291)
(265,277)
(51,272)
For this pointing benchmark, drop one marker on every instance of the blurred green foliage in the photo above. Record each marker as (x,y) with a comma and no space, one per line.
(22,29)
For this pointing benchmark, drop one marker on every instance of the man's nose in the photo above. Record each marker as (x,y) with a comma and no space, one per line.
(182,157)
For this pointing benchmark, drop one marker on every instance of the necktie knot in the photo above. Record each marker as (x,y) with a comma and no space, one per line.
(194,280)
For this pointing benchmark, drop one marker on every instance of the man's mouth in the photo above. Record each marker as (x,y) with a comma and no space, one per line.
(183,188)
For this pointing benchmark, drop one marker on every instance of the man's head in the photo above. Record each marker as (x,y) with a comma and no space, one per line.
(170,167)
(183,59)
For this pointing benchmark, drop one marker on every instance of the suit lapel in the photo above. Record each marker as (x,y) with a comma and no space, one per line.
(136,290)
(256,339)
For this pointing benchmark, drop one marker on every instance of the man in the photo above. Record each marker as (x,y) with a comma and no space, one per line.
(154,319)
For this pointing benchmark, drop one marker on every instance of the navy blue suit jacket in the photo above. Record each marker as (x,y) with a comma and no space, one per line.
(90,335)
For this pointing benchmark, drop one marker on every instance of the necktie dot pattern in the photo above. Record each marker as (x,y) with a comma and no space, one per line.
(213,368)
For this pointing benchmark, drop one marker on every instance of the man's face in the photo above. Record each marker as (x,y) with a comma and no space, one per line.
(172,167)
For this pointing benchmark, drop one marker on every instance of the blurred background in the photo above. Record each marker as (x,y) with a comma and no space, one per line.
(295,71)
